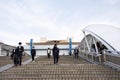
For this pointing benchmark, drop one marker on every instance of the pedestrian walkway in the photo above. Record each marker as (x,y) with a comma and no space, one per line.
(68,68)
(6,62)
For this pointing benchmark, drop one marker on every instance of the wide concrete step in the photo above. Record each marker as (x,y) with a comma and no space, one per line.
(68,68)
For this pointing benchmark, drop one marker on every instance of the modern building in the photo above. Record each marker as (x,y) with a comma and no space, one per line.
(42,47)
(101,44)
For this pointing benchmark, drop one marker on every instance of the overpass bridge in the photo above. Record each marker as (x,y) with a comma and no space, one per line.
(101,45)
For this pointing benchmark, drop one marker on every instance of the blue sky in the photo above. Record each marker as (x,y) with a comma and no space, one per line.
(21,20)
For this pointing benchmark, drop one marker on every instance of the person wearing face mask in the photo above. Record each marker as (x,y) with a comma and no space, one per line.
(19,52)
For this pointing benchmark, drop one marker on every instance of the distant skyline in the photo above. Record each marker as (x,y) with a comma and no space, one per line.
(21,20)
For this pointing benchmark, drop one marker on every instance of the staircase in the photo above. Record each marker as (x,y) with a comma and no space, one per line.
(5,60)
(67,69)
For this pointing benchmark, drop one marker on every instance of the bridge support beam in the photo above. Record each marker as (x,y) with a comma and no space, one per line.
(86,42)
(31,45)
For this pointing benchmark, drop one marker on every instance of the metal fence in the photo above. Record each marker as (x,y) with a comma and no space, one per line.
(109,59)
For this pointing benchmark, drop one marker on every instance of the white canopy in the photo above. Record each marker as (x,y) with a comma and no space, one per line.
(106,34)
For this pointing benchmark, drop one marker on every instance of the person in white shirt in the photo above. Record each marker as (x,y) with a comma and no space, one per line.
(48,53)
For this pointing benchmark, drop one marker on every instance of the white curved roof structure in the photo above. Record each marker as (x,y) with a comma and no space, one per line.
(107,34)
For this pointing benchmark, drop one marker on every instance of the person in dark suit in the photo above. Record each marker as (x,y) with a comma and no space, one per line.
(55,54)
(76,53)
(18,54)
(33,53)
(13,53)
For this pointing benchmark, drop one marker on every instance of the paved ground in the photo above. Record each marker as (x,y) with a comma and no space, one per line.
(6,62)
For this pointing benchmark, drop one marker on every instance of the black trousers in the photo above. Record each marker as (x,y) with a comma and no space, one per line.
(33,58)
(56,60)
(20,59)
(16,60)
(48,55)
(76,55)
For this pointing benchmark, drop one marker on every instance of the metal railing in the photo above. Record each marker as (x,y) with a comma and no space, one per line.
(106,58)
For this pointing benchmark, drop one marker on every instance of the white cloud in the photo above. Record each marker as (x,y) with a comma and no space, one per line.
(112,2)
(8,38)
(27,19)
